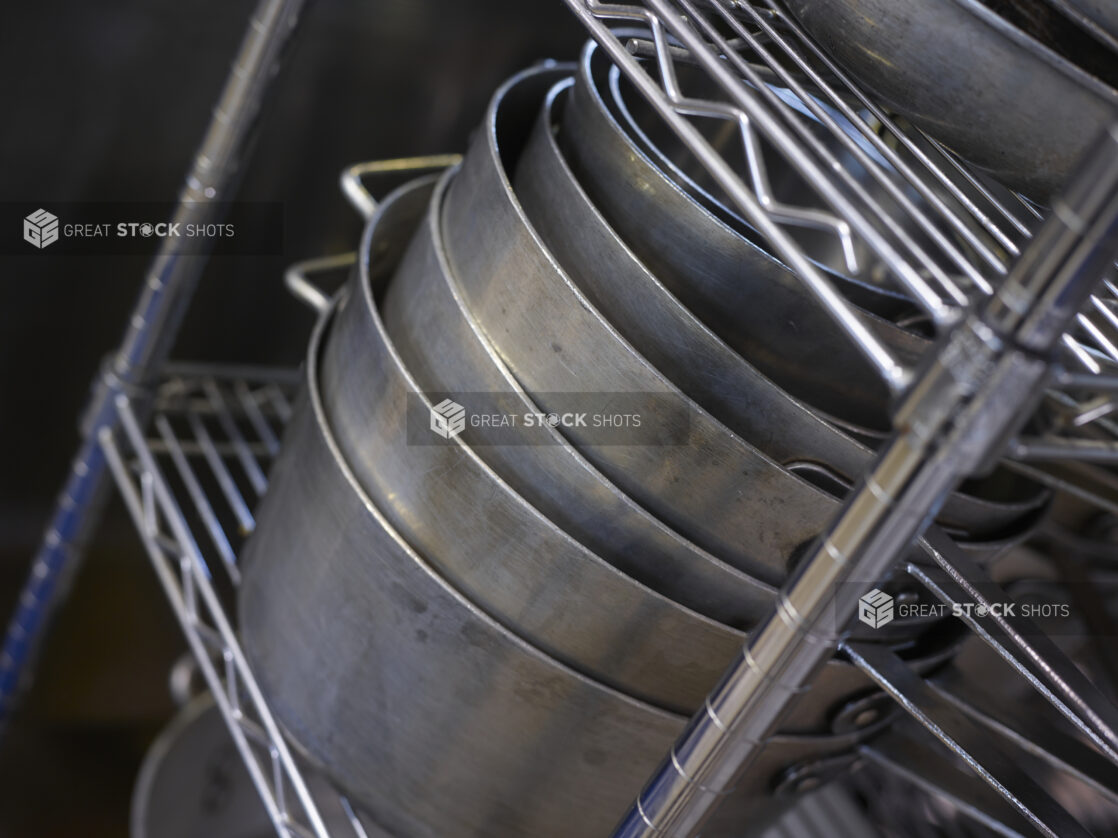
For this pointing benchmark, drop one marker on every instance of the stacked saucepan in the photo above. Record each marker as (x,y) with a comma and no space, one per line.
(481,617)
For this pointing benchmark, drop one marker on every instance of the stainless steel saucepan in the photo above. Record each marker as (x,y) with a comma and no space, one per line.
(714,488)
(728,280)
(437,340)
(497,549)
(870,288)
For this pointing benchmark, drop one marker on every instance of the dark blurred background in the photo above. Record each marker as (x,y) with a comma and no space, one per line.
(107,102)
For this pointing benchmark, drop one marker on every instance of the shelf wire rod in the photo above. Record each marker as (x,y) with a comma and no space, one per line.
(222,474)
(1076,484)
(1032,657)
(1041,449)
(780,212)
(354,821)
(198,497)
(915,180)
(945,181)
(982,218)
(171,586)
(1101,340)
(241,448)
(993,763)
(232,683)
(1084,381)
(1094,410)
(279,402)
(260,426)
(193,372)
(1106,346)
(1051,742)
(1080,353)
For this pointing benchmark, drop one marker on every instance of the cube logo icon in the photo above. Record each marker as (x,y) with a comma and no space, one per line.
(448,419)
(875,609)
(40,228)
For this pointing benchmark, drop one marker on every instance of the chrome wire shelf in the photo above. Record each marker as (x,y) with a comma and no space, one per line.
(190,485)
(902,209)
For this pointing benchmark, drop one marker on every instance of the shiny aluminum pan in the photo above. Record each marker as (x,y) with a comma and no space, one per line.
(870,290)
(996,96)
(695,359)
(439,721)
(655,322)
(485,539)
(446,351)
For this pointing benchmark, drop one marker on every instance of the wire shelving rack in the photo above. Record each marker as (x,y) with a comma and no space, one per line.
(189,453)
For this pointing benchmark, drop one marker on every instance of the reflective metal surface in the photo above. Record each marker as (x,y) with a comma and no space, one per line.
(716,490)
(731,283)
(443,627)
(1006,345)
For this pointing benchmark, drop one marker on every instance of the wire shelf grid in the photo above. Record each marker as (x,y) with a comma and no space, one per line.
(190,485)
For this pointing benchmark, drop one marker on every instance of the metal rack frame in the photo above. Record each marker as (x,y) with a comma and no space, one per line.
(976,249)
(219,426)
